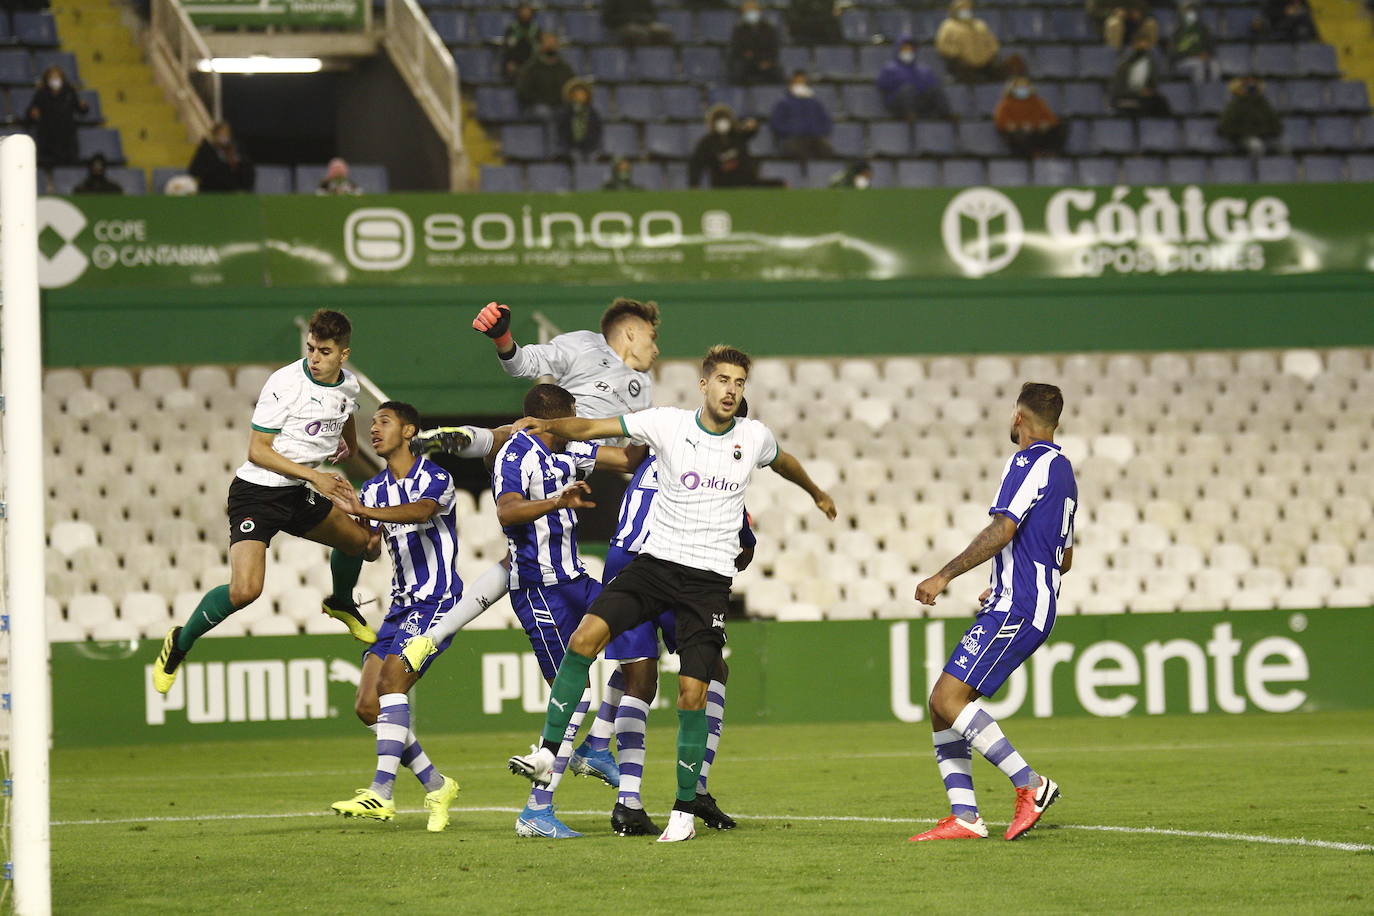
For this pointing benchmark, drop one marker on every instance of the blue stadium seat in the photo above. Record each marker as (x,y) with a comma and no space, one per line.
(679,22)
(1302,96)
(1349,95)
(828,95)
(132,180)
(1360,167)
(1055,62)
(496,104)
(1095,62)
(523,141)
(1025,25)
(66,177)
(737,97)
(451,26)
(164,174)
(791,59)
(893,138)
(92,140)
(702,65)
(1277,170)
(1114,135)
(1186,170)
(1297,133)
(884,174)
(1321,168)
(548,176)
(872,59)
(63,60)
(1159,135)
(1234,60)
(304,178)
(583,28)
(918,173)
(987,95)
(372,178)
(1233,170)
(649,175)
(1142,170)
(682,103)
(818,172)
(1236,22)
(576,58)
(1275,59)
(1052,172)
(667,141)
(1179,95)
(639,103)
(674,176)
(656,65)
(1069,25)
(94,114)
(759,100)
(489,25)
(1097,170)
(611,65)
(503,178)
(980,138)
(1316,59)
(1212,98)
(1334,132)
(891,24)
(589,176)
(786,169)
(962,173)
(855,27)
(933,138)
(277,179)
(835,62)
(715,26)
(762,145)
(35,29)
(1008,173)
(848,139)
(477,65)
(1200,136)
(16,68)
(620,140)
(1083,99)
(6,33)
(862,101)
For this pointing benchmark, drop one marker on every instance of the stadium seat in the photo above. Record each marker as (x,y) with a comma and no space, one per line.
(1142,170)
(788,170)
(103,140)
(451,26)
(477,65)
(1232,170)
(523,141)
(1158,135)
(1083,99)
(959,173)
(918,173)
(610,65)
(682,103)
(834,62)
(496,104)
(1055,62)
(37,30)
(1186,170)
(1276,169)
(1052,172)
(668,141)
(503,178)
(1200,136)
(1095,62)
(863,102)
(639,103)
(583,27)
(1008,173)
(278,179)
(548,177)
(702,65)
(655,64)
(715,26)
(1316,59)
(979,138)
(620,140)
(1349,96)
(1097,171)
(893,138)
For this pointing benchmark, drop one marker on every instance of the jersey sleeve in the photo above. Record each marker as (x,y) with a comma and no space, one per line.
(533,360)
(368,496)
(583,455)
(274,404)
(1023,484)
(508,476)
(438,487)
(769,449)
(647,427)
(747,538)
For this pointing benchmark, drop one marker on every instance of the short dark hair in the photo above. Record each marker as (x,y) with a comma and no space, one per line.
(404,412)
(720,353)
(549,402)
(1045,401)
(623,308)
(327,324)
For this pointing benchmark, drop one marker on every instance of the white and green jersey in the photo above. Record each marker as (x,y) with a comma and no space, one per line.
(307,417)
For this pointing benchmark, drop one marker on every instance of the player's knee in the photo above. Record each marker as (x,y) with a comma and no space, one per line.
(367,709)
(242,594)
(691,693)
(641,680)
(591,637)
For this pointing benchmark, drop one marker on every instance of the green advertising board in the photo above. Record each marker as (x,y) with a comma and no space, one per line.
(297,14)
(873,671)
(688,236)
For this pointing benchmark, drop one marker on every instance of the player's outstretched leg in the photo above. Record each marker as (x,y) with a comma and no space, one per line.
(706,807)
(247,568)
(564,696)
(344,570)
(478,595)
(955,760)
(593,758)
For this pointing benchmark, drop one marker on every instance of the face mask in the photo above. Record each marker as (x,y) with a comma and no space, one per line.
(802,91)
(722,126)
(965,14)
(751,16)
(861,182)
(1021,92)
(907,57)
(1190,18)
(55,84)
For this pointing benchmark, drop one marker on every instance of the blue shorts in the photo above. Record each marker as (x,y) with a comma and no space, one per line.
(991,649)
(550,614)
(640,641)
(404,622)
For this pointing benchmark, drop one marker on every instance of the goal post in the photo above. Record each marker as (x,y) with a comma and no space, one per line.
(21,368)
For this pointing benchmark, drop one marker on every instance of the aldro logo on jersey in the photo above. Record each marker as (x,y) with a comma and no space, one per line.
(692,481)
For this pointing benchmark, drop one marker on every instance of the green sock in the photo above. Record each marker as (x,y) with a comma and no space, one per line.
(210,613)
(691,751)
(566,694)
(345,570)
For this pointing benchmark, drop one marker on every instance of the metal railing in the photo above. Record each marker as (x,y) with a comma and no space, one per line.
(428,68)
(175,49)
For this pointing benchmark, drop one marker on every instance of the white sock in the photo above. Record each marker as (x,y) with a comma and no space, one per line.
(477,597)
(543,797)
(630,723)
(985,736)
(715,715)
(393,731)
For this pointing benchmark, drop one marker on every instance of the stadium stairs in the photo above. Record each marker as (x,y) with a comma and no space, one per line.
(111,60)
(1347,26)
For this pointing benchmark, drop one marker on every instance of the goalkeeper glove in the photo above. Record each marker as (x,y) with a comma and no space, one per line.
(494,321)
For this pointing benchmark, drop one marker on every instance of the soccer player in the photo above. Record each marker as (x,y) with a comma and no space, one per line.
(412,500)
(706,458)
(1030,541)
(537,482)
(304,416)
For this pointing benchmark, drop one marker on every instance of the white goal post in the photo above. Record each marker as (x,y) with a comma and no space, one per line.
(21,381)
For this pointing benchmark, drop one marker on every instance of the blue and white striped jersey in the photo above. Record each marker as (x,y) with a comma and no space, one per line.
(632,530)
(544,551)
(424,556)
(1040,495)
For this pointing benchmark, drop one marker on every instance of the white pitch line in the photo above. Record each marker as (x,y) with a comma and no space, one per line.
(827,818)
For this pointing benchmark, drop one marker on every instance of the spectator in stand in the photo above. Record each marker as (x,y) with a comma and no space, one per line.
(858,176)
(1286,20)
(1026,121)
(96,181)
(577,127)
(814,22)
(52,118)
(800,122)
(909,90)
(621,178)
(1128,25)
(1192,45)
(336,181)
(1098,11)
(539,87)
(219,165)
(967,45)
(635,22)
(753,55)
(1135,85)
(722,156)
(519,42)
(1248,120)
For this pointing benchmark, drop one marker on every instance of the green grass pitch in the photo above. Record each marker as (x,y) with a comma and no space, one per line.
(825,812)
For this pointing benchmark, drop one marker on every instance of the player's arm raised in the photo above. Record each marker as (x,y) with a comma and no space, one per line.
(789,468)
(529,361)
(983,547)
(514,509)
(624,460)
(577,429)
(261,453)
